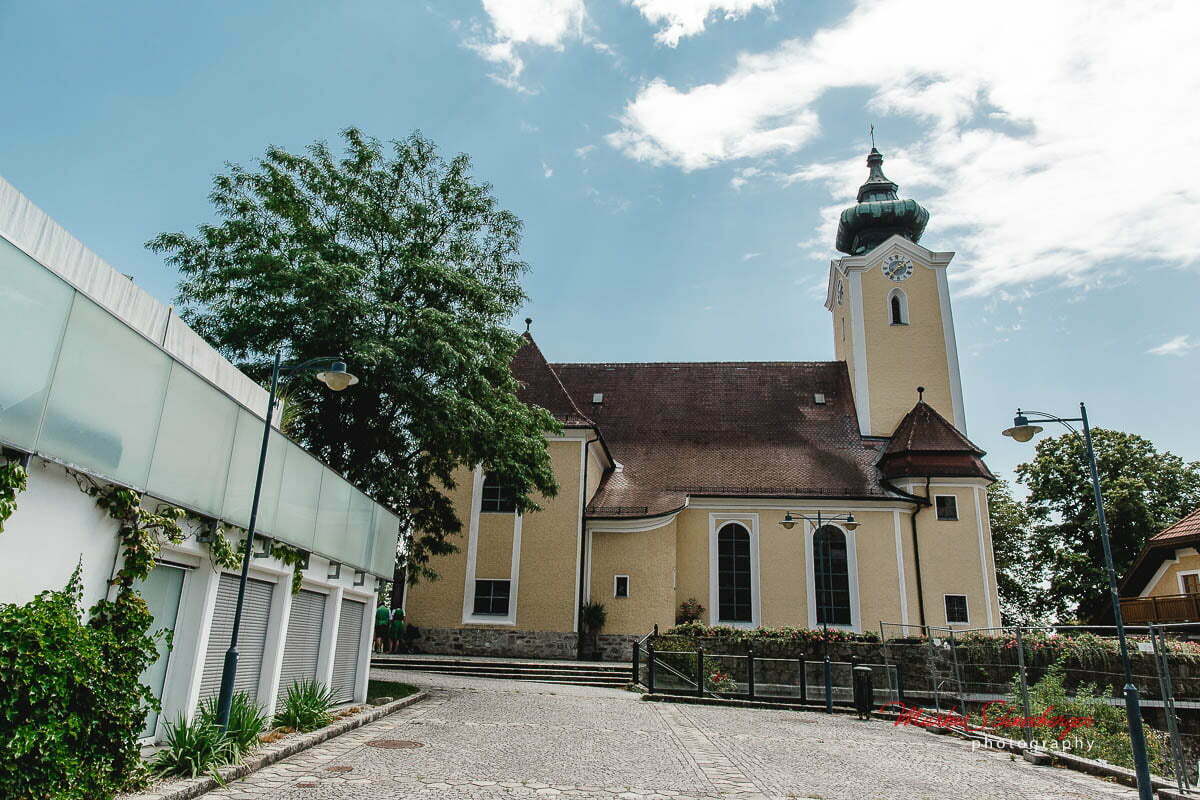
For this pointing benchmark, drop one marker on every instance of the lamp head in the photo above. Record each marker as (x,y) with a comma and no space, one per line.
(851,524)
(1021,430)
(336,377)
(788,521)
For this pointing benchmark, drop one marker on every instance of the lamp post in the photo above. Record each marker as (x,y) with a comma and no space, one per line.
(1022,431)
(335,376)
(849,523)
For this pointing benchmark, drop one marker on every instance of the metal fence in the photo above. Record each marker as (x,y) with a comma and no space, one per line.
(1017,682)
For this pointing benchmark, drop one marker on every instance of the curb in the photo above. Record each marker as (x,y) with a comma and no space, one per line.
(188,788)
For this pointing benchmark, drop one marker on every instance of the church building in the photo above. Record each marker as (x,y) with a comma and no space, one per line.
(796,493)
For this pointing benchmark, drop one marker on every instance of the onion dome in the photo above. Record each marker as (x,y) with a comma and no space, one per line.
(879,213)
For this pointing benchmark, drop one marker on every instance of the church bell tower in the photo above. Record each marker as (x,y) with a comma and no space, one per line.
(890,301)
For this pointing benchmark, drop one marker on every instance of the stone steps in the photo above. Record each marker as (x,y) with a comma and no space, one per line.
(558,672)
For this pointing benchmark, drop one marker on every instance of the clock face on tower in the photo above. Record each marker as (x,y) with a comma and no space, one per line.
(897,267)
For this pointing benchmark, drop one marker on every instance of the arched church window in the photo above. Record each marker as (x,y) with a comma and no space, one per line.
(832,578)
(898,307)
(734,595)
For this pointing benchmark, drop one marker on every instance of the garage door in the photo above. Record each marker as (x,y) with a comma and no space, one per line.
(252,640)
(345,658)
(302,648)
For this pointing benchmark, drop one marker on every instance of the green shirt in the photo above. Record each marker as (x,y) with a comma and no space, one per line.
(383,615)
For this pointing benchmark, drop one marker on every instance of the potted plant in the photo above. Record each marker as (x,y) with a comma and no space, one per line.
(592,617)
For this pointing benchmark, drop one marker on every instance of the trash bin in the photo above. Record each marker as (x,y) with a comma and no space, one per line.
(864,692)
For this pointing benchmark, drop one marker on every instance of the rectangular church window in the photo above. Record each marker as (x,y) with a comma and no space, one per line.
(491,598)
(947,507)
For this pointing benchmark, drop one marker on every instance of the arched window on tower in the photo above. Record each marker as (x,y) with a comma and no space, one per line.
(832,578)
(898,307)
(734,593)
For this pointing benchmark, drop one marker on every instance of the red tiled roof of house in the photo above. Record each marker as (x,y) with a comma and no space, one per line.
(926,444)
(1186,528)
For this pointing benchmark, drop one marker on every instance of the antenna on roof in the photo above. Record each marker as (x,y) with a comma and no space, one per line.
(920,394)
(528,322)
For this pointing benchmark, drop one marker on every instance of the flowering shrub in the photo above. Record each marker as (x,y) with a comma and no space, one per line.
(785,633)
(719,681)
(1050,645)
(690,610)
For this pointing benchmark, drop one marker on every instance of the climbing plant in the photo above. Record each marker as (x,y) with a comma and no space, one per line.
(13,480)
(293,557)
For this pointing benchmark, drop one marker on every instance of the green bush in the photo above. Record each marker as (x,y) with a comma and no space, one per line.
(306,706)
(247,721)
(193,748)
(785,633)
(71,706)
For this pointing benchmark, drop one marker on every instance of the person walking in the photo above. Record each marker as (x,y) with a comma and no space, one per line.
(396,631)
(383,618)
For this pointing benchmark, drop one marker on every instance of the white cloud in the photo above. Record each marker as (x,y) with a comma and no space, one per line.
(681,18)
(1178,346)
(1049,148)
(748,256)
(582,152)
(514,23)
(547,170)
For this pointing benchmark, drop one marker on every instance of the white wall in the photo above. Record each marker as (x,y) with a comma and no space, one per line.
(56,526)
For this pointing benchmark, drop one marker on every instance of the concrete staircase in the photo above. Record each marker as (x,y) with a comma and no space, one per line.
(573,673)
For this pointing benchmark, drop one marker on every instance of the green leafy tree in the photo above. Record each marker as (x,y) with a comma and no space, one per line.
(400,261)
(1020,579)
(1145,490)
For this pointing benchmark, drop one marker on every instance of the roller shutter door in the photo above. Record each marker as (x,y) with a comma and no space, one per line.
(345,657)
(302,648)
(252,640)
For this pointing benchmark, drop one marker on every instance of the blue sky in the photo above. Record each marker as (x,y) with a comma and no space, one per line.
(678,162)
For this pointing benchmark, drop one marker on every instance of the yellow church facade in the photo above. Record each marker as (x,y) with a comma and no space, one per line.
(674,479)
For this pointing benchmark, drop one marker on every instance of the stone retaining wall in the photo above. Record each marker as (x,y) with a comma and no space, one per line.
(501,643)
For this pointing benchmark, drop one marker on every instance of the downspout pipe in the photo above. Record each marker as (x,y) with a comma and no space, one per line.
(918,503)
(583,566)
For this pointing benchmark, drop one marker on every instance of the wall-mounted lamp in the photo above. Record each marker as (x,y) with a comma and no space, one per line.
(335,570)
(360,578)
(210,529)
(266,548)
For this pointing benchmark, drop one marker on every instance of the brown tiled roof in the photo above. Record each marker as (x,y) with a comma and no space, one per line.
(539,385)
(925,444)
(753,427)
(1186,528)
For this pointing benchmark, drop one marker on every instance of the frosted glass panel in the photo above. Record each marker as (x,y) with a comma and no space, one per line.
(33,310)
(243,467)
(383,545)
(332,518)
(360,532)
(296,519)
(106,398)
(194,440)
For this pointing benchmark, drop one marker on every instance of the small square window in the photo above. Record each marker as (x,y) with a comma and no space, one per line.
(947,506)
(956,608)
(497,498)
(491,598)
(621,586)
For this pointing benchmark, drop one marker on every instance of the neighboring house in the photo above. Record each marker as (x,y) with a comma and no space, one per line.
(674,478)
(1163,585)
(101,382)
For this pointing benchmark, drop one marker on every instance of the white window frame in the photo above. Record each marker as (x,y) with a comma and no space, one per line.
(810,531)
(716,521)
(905,319)
(628,591)
(469,617)
(956,516)
(945,609)
(1179,577)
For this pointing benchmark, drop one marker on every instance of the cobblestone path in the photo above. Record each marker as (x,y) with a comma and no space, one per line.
(505,740)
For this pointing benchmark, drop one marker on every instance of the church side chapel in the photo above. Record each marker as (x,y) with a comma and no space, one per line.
(704,480)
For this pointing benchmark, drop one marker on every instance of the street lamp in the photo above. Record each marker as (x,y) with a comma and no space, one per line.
(335,376)
(1022,431)
(849,523)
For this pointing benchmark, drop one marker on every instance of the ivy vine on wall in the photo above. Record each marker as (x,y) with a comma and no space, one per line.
(13,480)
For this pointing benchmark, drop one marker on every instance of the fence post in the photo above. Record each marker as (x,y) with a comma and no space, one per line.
(750,672)
(803,679)
(962,698)
(1163,668)
(900,679)
(699,672)
(637,677)
(828,685)
(650,666)
(1024,687)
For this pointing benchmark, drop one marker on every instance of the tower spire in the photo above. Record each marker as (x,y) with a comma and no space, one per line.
(880,212)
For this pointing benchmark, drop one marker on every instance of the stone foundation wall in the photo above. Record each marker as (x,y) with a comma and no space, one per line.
(497,642)
(616,646)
